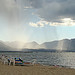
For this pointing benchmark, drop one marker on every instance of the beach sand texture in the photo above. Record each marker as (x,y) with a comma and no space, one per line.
(34,70)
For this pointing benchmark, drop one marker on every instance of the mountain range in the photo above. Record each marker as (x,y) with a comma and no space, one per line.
(59,45)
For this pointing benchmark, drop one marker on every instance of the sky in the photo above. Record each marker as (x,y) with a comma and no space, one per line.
(37,20)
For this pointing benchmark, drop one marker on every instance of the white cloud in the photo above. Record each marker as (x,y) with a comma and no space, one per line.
(27,7)
(33,24)
(39,24)
(65,22)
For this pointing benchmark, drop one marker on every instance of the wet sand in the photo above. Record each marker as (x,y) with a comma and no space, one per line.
(35,70)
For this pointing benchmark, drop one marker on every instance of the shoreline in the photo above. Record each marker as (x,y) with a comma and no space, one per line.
(35,70)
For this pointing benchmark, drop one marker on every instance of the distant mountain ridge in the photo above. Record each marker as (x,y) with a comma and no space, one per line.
(32,45)
(64,44)
(60,45)
(4,47)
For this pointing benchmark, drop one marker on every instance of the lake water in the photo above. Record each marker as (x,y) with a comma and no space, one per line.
(46,58)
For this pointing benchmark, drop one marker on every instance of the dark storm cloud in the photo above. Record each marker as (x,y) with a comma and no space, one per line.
(33,3)
(47,10)
(54,10)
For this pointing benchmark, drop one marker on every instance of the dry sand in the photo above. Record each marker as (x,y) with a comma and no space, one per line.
(34,70)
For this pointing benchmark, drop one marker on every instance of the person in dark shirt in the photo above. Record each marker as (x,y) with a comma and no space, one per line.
(8,61)
(21,60)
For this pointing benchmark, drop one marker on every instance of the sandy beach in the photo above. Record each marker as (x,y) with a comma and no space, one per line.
(35,70)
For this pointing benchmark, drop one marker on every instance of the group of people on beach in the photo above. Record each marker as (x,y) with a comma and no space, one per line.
(15,61)
(9,61)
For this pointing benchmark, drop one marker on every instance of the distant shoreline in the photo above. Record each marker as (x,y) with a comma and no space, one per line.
(38,50)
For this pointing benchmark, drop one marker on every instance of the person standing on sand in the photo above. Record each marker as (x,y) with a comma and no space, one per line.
(8,61)
(12,61)
(3,59)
